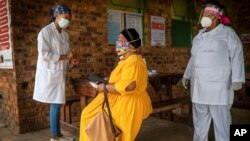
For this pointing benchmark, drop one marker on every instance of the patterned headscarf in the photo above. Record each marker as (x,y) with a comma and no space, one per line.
(61,9)
(213,6)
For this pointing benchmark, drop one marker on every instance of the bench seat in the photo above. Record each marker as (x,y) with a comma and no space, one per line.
(170,104)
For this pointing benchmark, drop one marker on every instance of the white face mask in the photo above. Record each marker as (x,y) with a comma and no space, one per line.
(206,22)
(63,23)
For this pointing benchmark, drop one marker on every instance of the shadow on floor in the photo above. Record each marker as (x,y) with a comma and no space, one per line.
(153,129)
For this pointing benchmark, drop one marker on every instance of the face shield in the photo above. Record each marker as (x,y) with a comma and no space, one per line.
(209,12)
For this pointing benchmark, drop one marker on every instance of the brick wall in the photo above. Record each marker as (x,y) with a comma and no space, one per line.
(87,31)
(88,34)
(9,98)
(242,25)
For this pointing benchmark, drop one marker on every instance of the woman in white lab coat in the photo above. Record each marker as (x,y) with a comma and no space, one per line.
(216,68)
(54,56)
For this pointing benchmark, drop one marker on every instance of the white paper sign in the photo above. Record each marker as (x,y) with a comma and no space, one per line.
(114,25)
(5,36)
(134,21)
(157,31)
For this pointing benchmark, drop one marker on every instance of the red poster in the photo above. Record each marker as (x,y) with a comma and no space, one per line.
(4,29)
(3,21)
(3,3)
(3,12)
(4,46)
(4,37)
(158,26)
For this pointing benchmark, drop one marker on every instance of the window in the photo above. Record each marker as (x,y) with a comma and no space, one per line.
(182,14)
(181,33)
(119,20)
(123,14)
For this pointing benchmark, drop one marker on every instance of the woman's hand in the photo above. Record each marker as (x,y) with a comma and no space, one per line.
(100,87)
(110,88)
(74,61)
(72,56)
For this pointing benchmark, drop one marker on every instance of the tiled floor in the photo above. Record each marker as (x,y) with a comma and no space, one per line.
(153,129)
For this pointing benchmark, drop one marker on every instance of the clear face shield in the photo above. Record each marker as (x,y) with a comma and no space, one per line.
(200,16)
(209,12)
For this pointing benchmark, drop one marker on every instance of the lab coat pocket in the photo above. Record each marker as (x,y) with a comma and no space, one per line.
(55,76)
(210,74)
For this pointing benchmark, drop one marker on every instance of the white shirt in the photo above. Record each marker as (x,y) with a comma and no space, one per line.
(216,61)
(51,72)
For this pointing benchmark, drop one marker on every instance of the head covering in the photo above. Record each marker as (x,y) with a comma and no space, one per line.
(132,37)
(217,8)
(214,3)
(61,9)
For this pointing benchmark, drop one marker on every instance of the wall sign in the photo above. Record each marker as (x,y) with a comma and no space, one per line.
(134,21)
(115,25)
(157,31)
(5,36)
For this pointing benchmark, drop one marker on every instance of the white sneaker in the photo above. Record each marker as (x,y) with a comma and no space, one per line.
(60,139)
(68,138)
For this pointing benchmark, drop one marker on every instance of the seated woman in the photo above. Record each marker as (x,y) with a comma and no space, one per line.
(127,96)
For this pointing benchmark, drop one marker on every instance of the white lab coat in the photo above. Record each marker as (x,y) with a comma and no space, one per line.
(216,61)
(50,73)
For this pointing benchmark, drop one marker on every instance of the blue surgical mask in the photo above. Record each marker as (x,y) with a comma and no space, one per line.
(63,23)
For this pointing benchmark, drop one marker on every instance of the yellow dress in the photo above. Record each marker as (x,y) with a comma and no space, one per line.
(128,109)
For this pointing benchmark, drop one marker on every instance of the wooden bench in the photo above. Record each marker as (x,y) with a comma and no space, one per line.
(159,105)
(170,104)
(163,98)
(66,114)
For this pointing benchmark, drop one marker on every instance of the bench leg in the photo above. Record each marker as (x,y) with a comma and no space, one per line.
(69,109)
(63,113)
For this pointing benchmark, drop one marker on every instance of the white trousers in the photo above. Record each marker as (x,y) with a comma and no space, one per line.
(202,116)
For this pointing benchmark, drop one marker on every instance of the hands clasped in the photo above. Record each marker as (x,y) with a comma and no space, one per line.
(72,56)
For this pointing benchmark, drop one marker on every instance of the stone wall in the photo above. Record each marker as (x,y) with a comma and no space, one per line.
(88,34)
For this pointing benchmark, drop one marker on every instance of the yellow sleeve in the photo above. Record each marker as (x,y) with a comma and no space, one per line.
(128,75)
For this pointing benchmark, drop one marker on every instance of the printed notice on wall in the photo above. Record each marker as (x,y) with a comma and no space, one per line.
(157,31)
(134,21)
(114,25)
(5,36)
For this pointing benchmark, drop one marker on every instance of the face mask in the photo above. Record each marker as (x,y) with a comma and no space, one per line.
(121,47)
(206,22)
(63,23)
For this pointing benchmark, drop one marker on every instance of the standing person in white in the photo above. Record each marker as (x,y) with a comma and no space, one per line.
(215,70)
(54,56)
